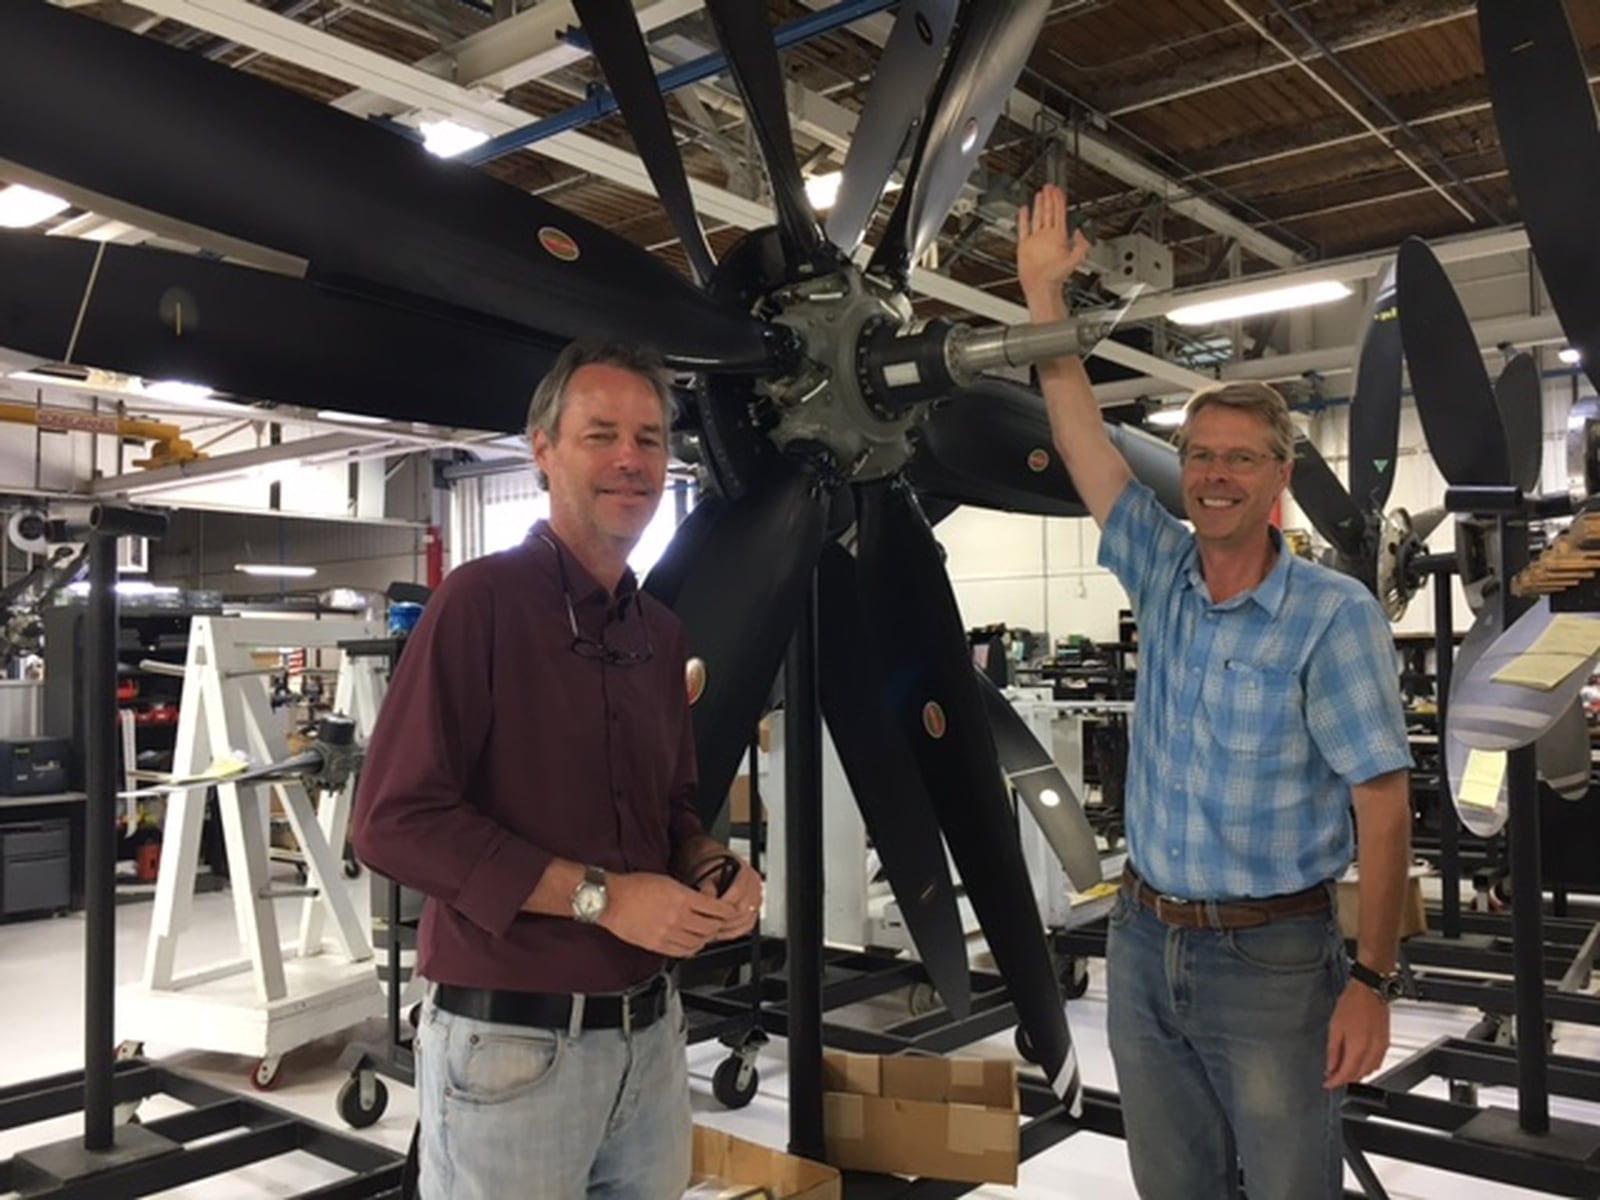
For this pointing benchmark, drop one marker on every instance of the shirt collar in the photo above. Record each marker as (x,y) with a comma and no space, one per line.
(544,543)
(1267,595)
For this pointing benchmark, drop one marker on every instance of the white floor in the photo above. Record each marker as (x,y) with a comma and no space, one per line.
(41,989)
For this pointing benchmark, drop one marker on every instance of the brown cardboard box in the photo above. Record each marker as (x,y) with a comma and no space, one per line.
(945,1118)
(1413,916)
(739,1163)
(739,801)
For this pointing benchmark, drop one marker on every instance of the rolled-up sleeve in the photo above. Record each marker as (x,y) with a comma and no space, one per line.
(413,820)
(1352,686)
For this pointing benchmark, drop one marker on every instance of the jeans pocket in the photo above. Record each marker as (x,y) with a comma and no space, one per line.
(1283,947)
(491,1064)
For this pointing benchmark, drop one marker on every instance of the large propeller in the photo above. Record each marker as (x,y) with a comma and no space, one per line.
(1485,434)
(818,403)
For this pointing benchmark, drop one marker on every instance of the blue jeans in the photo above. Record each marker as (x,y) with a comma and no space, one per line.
(1220,1042)
(513,1113)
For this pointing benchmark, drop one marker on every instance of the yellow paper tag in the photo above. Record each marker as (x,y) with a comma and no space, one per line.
(1481,781)
(1565,645)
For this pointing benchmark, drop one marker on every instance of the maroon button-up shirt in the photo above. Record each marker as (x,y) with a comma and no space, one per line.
(499,747)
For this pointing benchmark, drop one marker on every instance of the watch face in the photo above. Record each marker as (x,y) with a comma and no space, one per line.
(589,901)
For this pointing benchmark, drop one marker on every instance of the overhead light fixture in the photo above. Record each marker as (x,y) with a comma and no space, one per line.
(1165,418)
(175,391)
(128,587)
(822,190)
(276,570)
(1570,355)
(330,414)
(448,138)
(21,207)
(1252,304)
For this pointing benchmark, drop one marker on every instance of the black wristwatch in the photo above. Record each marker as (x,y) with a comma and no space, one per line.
(1388,987)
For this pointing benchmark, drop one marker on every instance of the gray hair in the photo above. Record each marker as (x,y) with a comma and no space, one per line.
(550,397)
(1263,400)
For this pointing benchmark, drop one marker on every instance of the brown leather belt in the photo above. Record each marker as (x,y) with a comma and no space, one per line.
(1226,914)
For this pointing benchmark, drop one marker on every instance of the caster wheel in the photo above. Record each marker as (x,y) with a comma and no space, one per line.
(265,1075)
(922,999)
(359,1111)
(1463,1093)
(415,1016)
(735,1082)
(1024,1045)
(352,869)
(1074,978)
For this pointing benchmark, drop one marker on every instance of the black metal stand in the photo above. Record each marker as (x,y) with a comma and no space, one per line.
(139,1160)
(802,814)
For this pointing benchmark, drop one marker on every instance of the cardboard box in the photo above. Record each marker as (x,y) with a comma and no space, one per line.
(745,1165)
(943,1118)
(1413,915)
(739,801)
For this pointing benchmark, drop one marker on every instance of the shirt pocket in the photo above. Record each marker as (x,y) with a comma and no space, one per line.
(1254,709)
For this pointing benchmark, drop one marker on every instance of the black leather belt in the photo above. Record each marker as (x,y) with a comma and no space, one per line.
(1226,914)
(637,1008)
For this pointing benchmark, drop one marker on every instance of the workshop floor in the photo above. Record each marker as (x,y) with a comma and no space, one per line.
(41,990)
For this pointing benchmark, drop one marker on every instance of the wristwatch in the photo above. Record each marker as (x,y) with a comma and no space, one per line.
(589,897)
(1388,987)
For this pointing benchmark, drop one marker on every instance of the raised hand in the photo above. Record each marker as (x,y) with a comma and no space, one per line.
(1046,255)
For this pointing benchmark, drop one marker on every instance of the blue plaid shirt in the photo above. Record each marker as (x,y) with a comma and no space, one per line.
(1252,718)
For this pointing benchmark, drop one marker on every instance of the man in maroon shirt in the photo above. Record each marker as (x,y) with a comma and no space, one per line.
(532,773)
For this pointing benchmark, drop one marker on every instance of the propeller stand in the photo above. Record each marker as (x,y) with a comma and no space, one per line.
(802,814)
(1442,567)
(1531,1127)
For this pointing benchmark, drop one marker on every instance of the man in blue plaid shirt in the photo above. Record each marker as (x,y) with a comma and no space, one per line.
(1267,705)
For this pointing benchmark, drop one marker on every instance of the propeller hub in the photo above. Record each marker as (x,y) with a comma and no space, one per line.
(827,402)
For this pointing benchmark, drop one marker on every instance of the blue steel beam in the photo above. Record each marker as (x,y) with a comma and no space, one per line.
(602,104)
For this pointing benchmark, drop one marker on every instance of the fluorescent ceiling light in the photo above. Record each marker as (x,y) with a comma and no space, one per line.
(1570,355)
(448,138)
(1254,303)
(129,587)
(823,190)
(1165,418)
(22,206)
(330,414)
(174,391)
(280,570)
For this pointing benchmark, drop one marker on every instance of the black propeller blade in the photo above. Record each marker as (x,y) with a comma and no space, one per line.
(1454,398)
(931,695)
(901,85)
(746,38)
(370,211)
(990,47)
(1319,493)
(1545,112)
(990,445)
(1375,408)
(1033,773)
(257,334)
(613,33)
(736,576)
(883,776)
(1517,397)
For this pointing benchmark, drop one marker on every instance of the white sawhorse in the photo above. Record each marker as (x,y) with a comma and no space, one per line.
(274,998)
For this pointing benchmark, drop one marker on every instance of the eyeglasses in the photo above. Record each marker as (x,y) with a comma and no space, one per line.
(1235,462)
(586,647)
